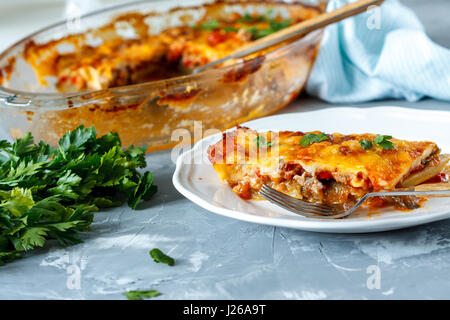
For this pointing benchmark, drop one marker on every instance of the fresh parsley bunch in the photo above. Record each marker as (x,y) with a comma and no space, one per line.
(52,193)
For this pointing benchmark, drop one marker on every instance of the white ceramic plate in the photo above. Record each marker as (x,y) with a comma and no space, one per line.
(196,179)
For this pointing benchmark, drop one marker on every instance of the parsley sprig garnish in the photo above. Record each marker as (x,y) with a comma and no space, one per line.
(380,140)
(383,141)
(366,144)
(251,18)
(230,29)
(274,25)
(262,142)
(52,193)
(256,18)
(159,256)
(256,33)
(208,25)
(311,138)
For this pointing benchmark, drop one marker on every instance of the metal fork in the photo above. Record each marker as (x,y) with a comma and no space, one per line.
(320,211)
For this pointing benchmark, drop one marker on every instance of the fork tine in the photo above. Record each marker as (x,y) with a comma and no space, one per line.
(287,206)
(292,199)
(321,208)
(309,209)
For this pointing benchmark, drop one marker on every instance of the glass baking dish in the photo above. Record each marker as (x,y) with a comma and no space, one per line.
(149,113)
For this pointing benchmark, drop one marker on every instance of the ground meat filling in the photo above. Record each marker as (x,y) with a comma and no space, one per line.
(399,203)
(291,179)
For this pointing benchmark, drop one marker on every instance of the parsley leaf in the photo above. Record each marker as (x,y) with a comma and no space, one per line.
(208,25)
(159,256)
(256,18)
(251,18)
(230,29)
(19,202)
(144,190)
(383,141)
(139,295)
(274,25)
(261,142)
(311,138)
(6,257)
(366,144)
(78,139)
(278,25)
(52,193)
(380,140)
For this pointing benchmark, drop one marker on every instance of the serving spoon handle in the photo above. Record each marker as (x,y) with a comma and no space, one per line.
(296,31)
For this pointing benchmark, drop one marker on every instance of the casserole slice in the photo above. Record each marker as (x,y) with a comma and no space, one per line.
(333,169)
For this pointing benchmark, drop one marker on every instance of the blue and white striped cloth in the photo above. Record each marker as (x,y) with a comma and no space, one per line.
(382,53)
